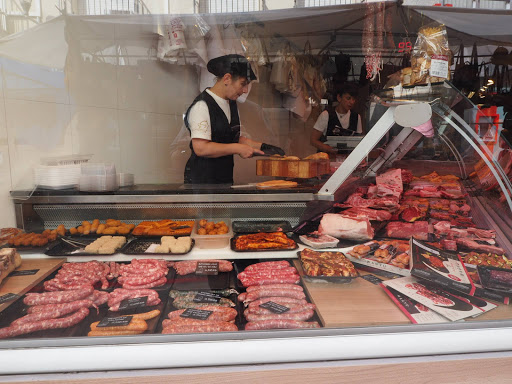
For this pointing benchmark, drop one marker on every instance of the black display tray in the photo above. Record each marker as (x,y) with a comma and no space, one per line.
(240,266)
(62,248)
(487,281)
(139,245)
(239,320)
(193,282)
(233,248)
(42,249)
(261,226)
(326,279)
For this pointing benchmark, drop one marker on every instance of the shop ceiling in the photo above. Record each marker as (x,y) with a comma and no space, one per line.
(336,28)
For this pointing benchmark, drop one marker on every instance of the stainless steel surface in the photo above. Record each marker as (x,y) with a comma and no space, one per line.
(174,198)
(72,215)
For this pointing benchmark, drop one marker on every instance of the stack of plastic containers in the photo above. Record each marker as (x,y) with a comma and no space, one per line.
(98,177)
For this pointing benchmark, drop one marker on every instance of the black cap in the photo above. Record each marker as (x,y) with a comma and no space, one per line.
(233,64)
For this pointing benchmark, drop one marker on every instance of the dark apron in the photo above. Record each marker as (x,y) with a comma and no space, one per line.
(334,127)
(204,170)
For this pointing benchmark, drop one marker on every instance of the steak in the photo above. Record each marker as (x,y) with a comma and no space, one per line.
(400,230)
(343,227)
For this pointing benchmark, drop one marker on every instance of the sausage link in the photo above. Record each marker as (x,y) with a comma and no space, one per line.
(280,324)
(57,297)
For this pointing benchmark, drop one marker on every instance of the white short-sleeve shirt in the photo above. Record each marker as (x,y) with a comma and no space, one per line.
(323,120)
(199,117)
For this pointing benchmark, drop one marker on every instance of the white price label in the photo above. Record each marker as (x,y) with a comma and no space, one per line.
(439,66)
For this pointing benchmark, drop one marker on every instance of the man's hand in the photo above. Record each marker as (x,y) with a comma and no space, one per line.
(271,149)
(246,151)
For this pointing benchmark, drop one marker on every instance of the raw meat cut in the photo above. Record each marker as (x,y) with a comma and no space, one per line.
(390,183)
(345,227)
(370,214)
(318,240)
(399,230)
(474,246)
(357,200)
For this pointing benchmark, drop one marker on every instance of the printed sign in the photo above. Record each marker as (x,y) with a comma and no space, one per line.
(198,314)
(26,272)
(118,321)
(274,307)
(136,302)
(207,268)
(8,297)
(206,297)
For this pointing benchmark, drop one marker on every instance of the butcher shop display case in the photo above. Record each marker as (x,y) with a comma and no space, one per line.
(389,245)
(400,248)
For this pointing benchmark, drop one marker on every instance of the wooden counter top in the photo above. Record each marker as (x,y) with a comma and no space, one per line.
(361,303)
(20,285)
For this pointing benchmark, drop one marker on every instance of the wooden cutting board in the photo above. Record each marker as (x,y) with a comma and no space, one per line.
(19,285)
(292,168)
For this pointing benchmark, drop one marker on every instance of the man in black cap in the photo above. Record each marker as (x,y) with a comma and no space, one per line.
(214,124)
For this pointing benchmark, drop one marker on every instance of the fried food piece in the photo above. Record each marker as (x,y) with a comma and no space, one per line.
(110,231)
(201,231)
(80,229)
(87,229)
(113,223)
(73,231)
(61,230)
(94,226)
(202,222)
(100,229)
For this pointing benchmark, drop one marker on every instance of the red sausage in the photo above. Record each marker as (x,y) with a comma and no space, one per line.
(275,286)
(271,280)
(293,308)
(52,311)
(277,324)
(57,297)
(299,316)
(268,264)
(251,296)
(208,326)
(40,325)
(277,300)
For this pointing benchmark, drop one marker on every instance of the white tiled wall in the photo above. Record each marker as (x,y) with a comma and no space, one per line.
(113,100)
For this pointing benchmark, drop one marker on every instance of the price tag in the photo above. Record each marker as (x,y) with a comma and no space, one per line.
(372,279)
(136,302)
(198,314)
(26,272)
(207,268)
(118,321)
(439,66)
(206,297)
(8,297)
(274,307)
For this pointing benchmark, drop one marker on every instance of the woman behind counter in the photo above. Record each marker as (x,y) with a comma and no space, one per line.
(339,121)
(214,124)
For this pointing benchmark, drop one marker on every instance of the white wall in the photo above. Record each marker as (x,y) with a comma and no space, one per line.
(112,99)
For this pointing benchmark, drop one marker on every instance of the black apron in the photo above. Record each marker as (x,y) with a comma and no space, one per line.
(205,170)
(334,127)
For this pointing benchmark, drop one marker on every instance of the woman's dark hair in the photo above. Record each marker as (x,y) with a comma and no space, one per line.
(350,88)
